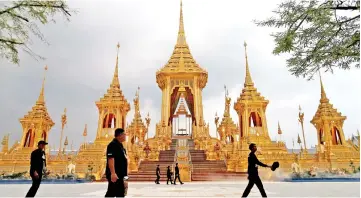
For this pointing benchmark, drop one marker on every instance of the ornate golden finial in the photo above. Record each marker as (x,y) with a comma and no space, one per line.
(181,35)
(300,115)
(66,141)
(323,93)
(279,129)
(63,123)
(299,139)
(64,119)
(248,80)
(216,119)
(115,81)
(147,120)
(136,104)
(85,132)
(41,96)
(137,92)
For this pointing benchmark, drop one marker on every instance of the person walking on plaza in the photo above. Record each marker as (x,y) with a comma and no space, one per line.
(37,166)
(169,176)
(176,175)
(157,172)
(253,176)
(117,166)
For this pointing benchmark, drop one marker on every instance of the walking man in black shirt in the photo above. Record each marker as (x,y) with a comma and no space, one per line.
(157,172)
(253,177)
(169,176)
(37,166)
(117,166)
(176,175)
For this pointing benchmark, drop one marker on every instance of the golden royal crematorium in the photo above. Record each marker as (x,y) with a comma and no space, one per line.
(200,156)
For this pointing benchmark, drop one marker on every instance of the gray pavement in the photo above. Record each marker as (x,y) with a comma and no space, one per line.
(194,189)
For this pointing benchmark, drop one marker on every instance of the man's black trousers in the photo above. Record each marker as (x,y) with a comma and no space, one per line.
(34,187)
(157,180)
(252,181)
(175,178)
(169,179)
(115,189)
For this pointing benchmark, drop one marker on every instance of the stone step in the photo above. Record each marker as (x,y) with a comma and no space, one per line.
(225,176)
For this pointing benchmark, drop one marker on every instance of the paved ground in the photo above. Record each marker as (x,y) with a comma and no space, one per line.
(194,189)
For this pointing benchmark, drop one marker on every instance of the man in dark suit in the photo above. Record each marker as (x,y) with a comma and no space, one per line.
(176,175)
(37,166)
(157,172)
(117,166)
(169,176)
(253,176)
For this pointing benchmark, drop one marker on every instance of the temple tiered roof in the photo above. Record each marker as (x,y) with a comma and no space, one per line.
(181,59)
(227,125)
(249,92)
(114,93)
(137,121)
(325,109)
(39,111)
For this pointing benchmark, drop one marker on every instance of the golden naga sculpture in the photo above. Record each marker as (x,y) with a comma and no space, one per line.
(181,130)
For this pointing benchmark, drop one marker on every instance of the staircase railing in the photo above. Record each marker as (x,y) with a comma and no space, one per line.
(176,151)
(190,159)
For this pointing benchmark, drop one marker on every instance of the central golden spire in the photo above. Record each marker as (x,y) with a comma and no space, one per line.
(181,34)
(41,99)
(181,59)
(248,80)
(115,81)
(323,93)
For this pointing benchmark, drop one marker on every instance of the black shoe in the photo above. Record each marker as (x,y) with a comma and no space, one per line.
(182,183)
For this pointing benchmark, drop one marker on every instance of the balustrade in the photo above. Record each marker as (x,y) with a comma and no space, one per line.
(255,130)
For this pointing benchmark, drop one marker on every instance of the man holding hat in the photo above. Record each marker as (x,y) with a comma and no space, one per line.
(37,166)
(253,177)
(117,166)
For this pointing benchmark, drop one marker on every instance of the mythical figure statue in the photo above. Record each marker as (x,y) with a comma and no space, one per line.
(147,150)
(71,168)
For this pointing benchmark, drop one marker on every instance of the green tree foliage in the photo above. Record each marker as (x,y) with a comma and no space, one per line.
(317,34)
(19,21)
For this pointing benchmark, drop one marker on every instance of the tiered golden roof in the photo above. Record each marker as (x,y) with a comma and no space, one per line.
(325,109)
(137,128)
(5,143)
(137,121)
(249,92)
(227,126)
(182,109)
(181,59)
(114,93)
(39,111)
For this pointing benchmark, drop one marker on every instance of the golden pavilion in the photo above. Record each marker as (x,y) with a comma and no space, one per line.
(182,135)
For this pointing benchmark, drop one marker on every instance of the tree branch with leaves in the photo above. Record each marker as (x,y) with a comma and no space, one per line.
(317,34)
(19,22)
